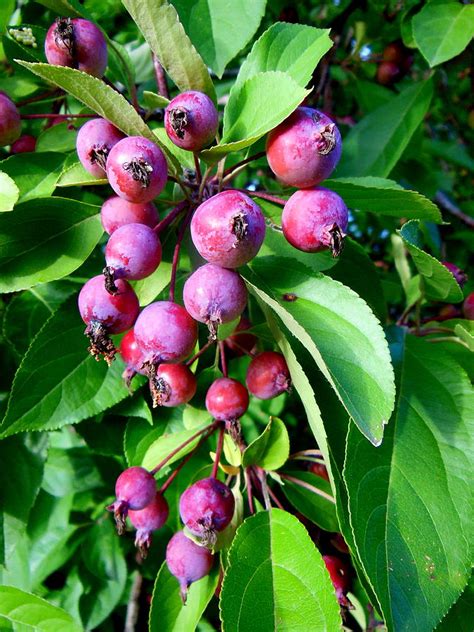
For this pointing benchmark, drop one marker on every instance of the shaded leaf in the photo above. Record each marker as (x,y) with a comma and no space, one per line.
(271,449)
(316,508)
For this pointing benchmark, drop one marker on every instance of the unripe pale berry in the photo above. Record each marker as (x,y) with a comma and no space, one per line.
(136,169)
(10,121)
(132,356)
(147,520)
(135,488)
(116,212)
(304,150)
(191,120)
(228,229)
(23,145)
(314,220)
(173,385)
(187,561)
(94,141)
(206,508)
(468,306)
(76,43)
(214,295)
(268,375)
(458,274)
(227,399)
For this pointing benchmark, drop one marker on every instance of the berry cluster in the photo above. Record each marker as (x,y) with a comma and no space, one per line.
(396,62)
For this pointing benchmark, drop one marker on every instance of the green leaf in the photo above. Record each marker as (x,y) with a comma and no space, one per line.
(409,500)
(374,146)
(438,283)
(209,23)
(316,508)
(273,563)
(465,336)
(384,197)
(340,332)
(443,30)
(35,175)
(166,443)
(74,175)
(45,239)
(160,25)
(271,449)
(69,8)
(59,138)
(154,101)
(58,382)
(459,617)
(23,610)
(9,192)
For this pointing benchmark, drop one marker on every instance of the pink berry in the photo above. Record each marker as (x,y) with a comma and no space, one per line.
(304,150)
(94,141)
(10,121)
(116,212)
(147,520)
(23,145)
(206,508)
(468,306)
(228,229)
(191,120)
(135,488)
(136,169)
(314,220)
(76,43)
(174,384)
(187,561)
(214,295)
(165,332)
(339,574)
(132,356)
(227,399)
(458,274)
(268,375)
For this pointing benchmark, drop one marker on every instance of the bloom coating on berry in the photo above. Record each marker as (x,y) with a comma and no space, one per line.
(468,306)
(227,399)
(23,145)
(94,141)
(304,150)
(116,212)
(174,384)
(458,274)
(206,508)
(314,220)
(187,561)
(135,488)
(76,43)
(165,332)
(117,313)
(339,574)
(147,520)
(268,375)
(10,121)
(132,356)
(191,120)
(136,169)
(228,229)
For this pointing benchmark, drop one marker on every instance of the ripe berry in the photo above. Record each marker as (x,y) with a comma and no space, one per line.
(94,141)
(173,385)
(468,306)
(206,508)
(315,220)
(304,150)
(458,274)
(227,399)
(116,212)
(147,520)
(268,375)
(214,295)
(106,314)
(240,342)
(191,120)
(135,488)
(165,332)
(10,121)
(132,252)
(388,73)
(76,43)
(132,356)
(23,145)
(136,169)
(320,470)
(339,574)
(228,229)
(399,54)
(187,561)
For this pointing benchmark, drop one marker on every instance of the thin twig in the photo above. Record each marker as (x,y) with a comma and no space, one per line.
(249,491)
(308,486)
(274,498)
(160,76)
(197,166)
(265,196)
(40,97)
(449,339)
(172,215)
(133,607)
(223,358)
(243,163)
(177,248)
(50,116)
(202,350)
(220,444)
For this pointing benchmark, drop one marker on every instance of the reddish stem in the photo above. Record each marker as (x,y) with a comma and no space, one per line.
(220,444)
(197,167)
(223,358)
(242,163)
(261,194)
(177,248)
(249,491)
(160,76)
(200,352)
(172,215)
(39,97)
(50,116)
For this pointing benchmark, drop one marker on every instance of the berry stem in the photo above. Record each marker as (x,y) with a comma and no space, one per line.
(309,487)
(223,358)
(231,172)
(203,183)
(249,490)
(244,351)
(172,215)
(200,352)
(449,339)
(41,97)
(262,194)
(220,445)
(177,248)
(160,77)
(133,606)
(198,167)
(64,116)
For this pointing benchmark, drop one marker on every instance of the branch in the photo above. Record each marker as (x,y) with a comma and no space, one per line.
(445,203)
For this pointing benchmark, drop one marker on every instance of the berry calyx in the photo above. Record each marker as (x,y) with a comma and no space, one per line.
(228,229)
(172,385)
(314,220)
(116,212)
(206,508)
(23,145)
(191,120)
(76,43)
(132,356)
(10,121)
(468,306)
(147,520)
(135,488)
(268,375)
(227,399)
(214,295)
(94,141)
(187,561)
(137,169)
(339,574)
(458,274)
(304,150)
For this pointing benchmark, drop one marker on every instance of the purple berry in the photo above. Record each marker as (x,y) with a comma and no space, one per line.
(187,561)
(268,375)
(206,508)
(136,169)
(10,121)
(135,488)
(304,150)
(314,220)
(94,141)
(191,120)
(214,295)
(228,229)
(76,43)
(460,276)
(23,145)
(173,385)
(227,399)
(116,212)
(147,520)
